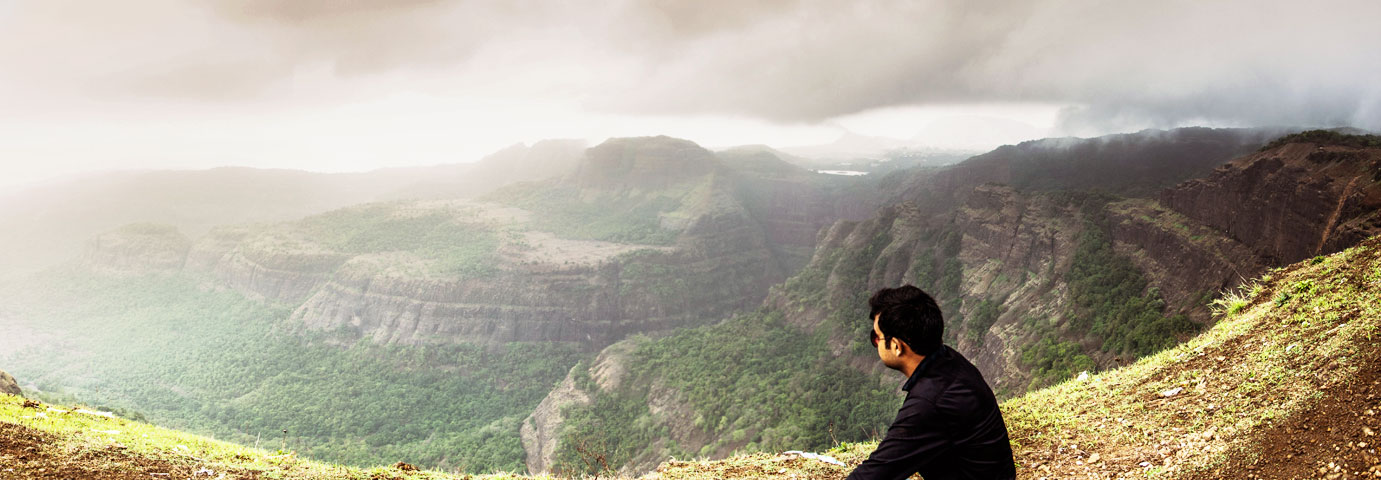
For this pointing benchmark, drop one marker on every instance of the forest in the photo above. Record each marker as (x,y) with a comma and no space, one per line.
(187,355)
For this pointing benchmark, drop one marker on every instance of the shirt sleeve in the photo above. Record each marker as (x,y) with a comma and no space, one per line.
(915,439)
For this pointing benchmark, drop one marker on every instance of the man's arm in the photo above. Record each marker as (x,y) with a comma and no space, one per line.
(915,439)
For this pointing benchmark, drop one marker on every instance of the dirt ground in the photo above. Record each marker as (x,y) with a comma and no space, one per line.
(1330,441)
(26,454)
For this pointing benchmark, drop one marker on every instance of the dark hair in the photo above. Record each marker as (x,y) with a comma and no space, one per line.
(908,313)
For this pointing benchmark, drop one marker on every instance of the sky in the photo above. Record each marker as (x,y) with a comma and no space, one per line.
(351,85)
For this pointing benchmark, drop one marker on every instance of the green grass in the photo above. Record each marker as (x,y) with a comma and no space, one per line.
(83,432)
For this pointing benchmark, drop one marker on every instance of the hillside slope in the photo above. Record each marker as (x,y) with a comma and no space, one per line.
(1286,385)
(1038,282)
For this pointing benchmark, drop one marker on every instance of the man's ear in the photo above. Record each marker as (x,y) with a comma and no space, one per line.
(901,347)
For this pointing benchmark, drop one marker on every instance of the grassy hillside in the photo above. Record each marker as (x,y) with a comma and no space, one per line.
(1284,386)
(39,440)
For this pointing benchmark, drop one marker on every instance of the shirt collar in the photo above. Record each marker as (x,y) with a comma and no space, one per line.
(916,374)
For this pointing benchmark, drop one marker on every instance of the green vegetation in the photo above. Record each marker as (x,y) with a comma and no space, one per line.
(216,363)
(1326,137)
(450,246)
(1115,308)
(789,392)
(624,218)
(983,317)
(1051,361)
(938,271)
(1117,305)
(88,443)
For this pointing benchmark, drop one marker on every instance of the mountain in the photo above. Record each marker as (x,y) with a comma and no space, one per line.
(400,307)
(1039,278)
(1282,386)
(660,300)
(49,224)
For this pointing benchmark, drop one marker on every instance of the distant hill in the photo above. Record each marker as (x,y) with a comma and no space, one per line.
(49,224)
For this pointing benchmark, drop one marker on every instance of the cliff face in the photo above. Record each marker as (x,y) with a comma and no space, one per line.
(544,289)
(1289,203)
(461,271)
(264,265)
(1015,246)
(1000,246)
(1189,262)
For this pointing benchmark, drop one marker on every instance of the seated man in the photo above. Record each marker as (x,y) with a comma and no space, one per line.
(949,426)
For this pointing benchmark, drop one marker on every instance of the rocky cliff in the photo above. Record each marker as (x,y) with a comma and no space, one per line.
(1002,240)
(1291,202)
(691,245)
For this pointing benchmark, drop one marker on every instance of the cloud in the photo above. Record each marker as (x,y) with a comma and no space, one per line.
(1116,64)
(1156,63)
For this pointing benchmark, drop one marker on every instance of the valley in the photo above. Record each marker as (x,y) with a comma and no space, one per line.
(660,300)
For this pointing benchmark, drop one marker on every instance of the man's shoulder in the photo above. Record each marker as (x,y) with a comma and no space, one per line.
(952,376)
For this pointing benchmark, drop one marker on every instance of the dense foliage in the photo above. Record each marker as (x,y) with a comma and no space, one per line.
(1115,304)
(1326,137)
(213,362)
(788,392)
(1115,310)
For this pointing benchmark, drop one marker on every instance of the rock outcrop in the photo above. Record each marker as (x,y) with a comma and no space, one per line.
(8,385)
(541,431)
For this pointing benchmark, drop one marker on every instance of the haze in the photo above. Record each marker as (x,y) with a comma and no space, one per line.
(356,85)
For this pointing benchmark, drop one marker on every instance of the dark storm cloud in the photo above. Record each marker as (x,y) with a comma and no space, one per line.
(1115,63)
(1126,63)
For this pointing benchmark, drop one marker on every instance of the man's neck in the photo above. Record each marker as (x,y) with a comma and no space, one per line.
(912,362)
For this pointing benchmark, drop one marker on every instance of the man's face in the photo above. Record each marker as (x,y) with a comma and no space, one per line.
(889,350)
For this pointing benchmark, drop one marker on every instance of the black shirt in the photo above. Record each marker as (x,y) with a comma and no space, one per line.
(949,427)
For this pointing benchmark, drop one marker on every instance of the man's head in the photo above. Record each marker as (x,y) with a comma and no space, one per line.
(906,323)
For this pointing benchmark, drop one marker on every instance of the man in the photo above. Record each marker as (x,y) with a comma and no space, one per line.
(949,427)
